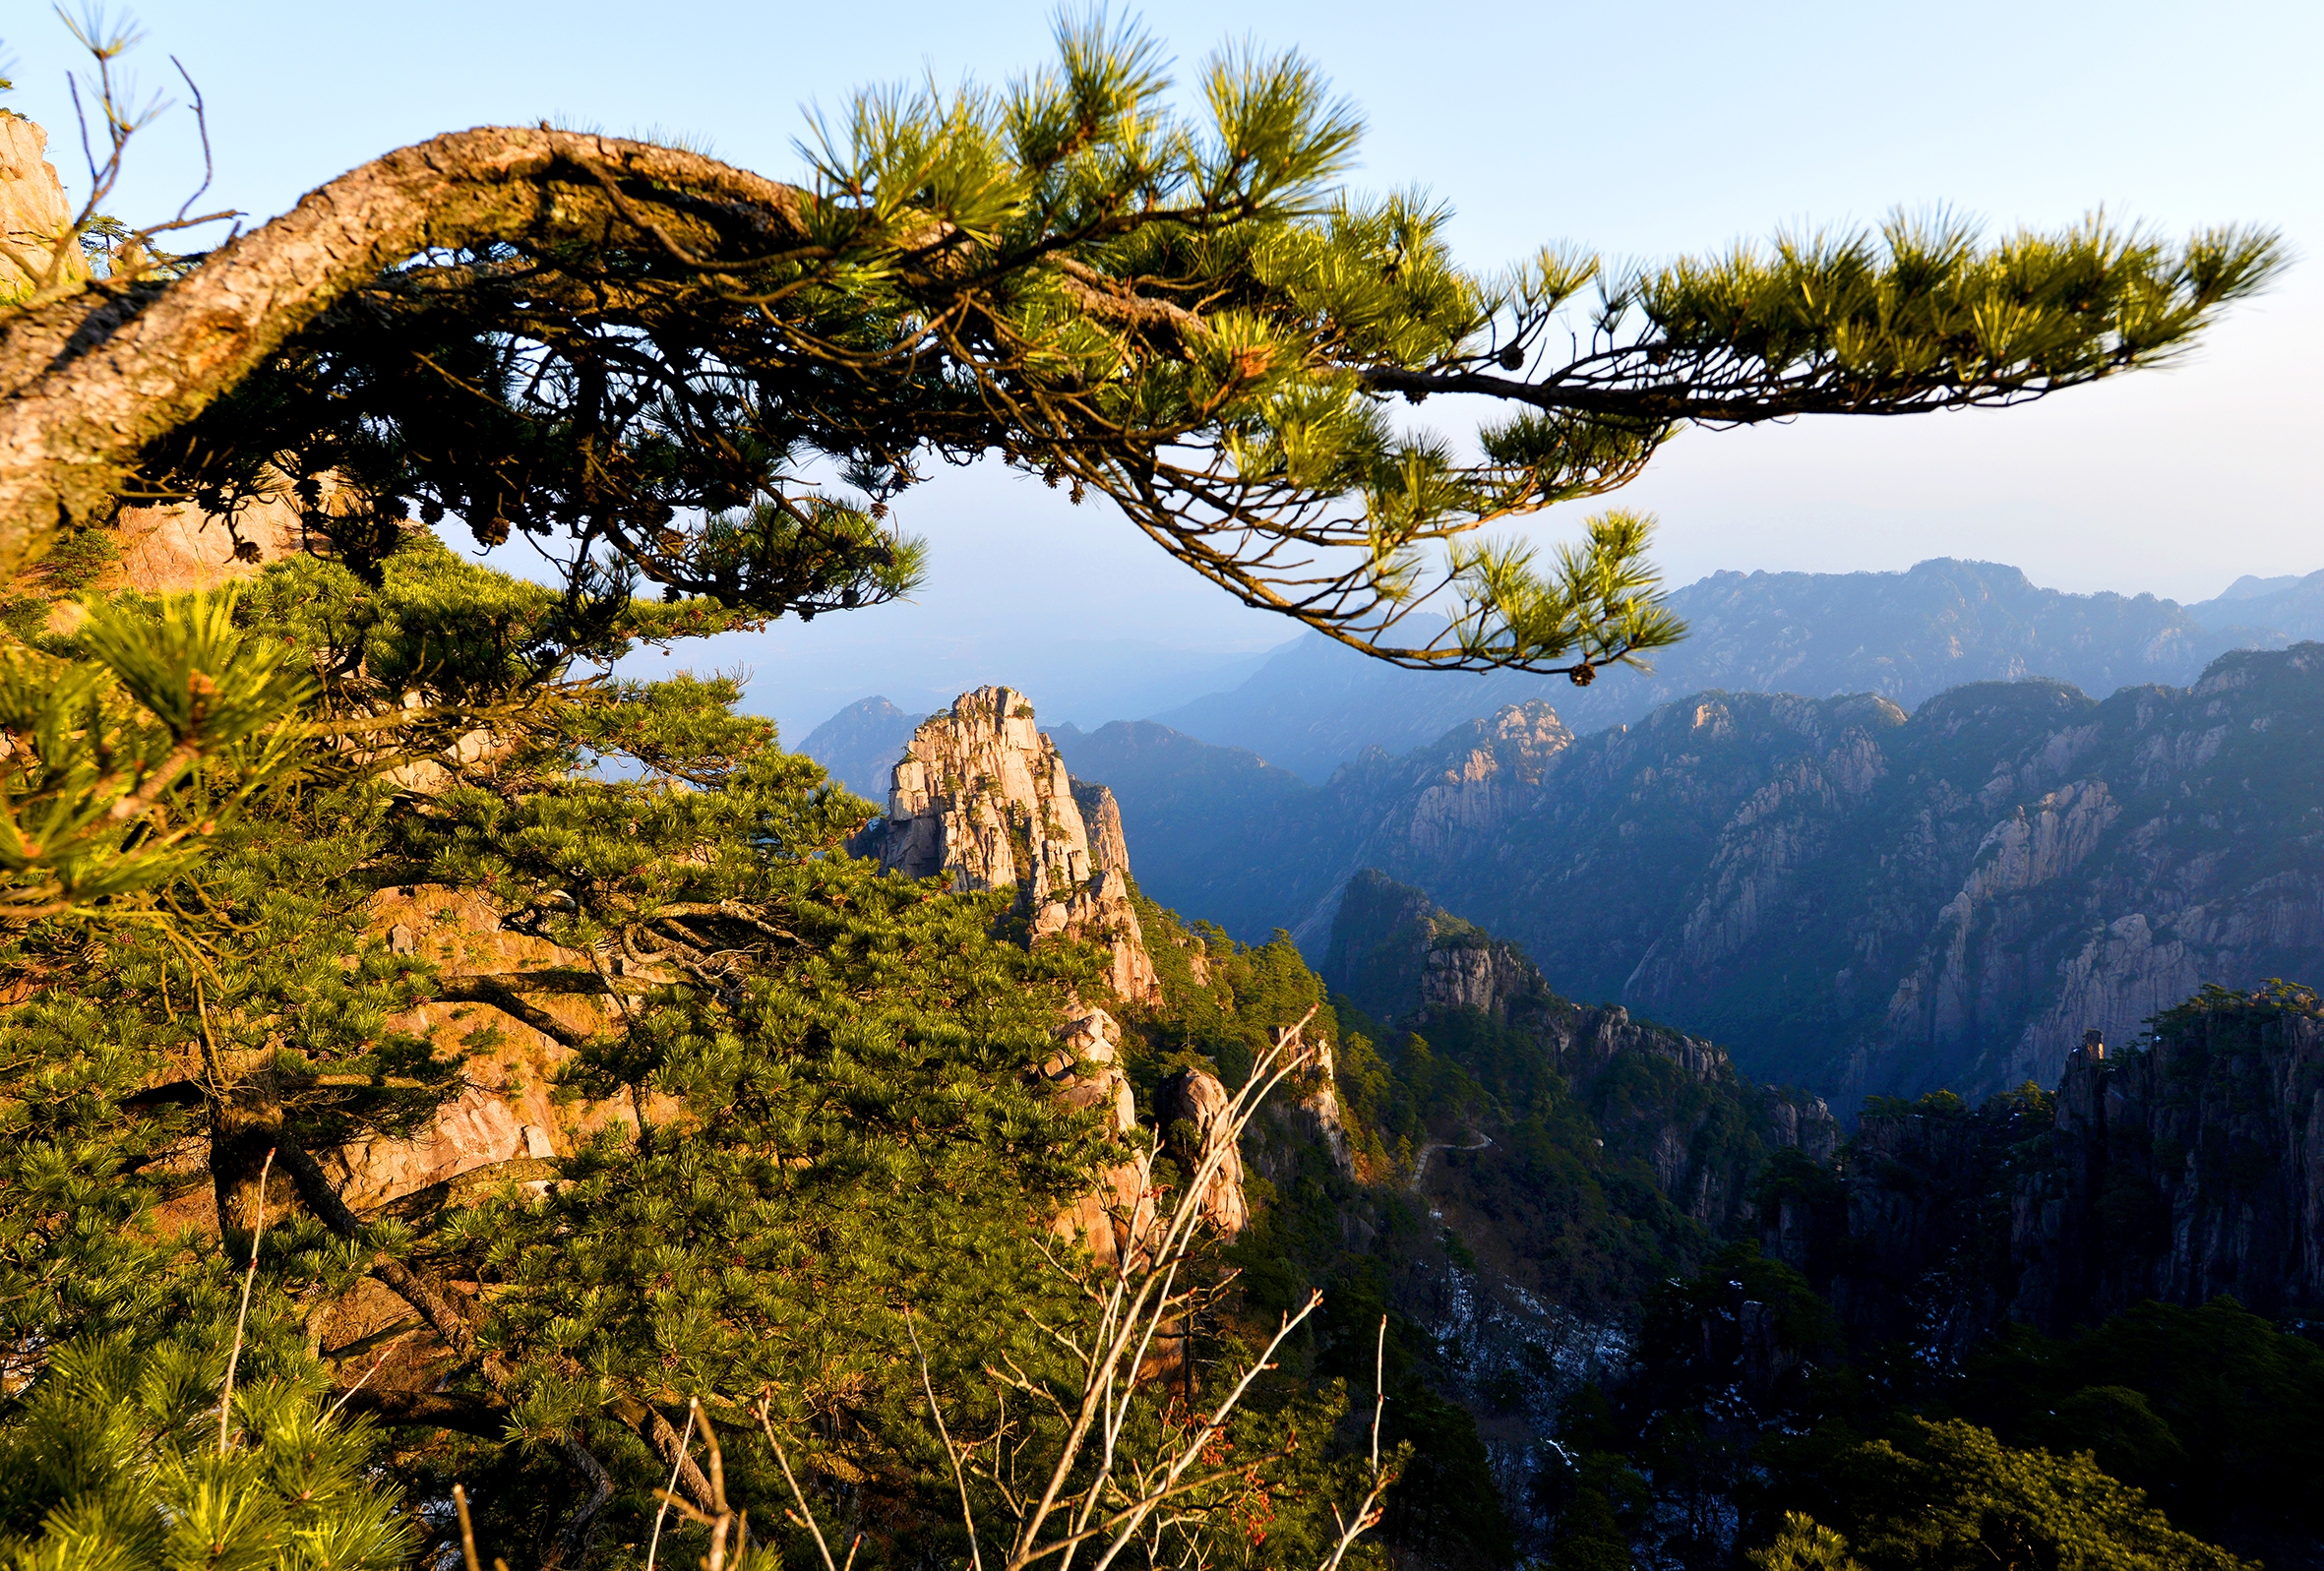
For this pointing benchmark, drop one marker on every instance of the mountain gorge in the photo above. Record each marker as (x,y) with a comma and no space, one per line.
(1842,893)
(1644,1294)
(1827,1104)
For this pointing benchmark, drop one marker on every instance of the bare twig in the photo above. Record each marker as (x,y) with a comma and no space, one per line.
(202,125)
(1379,1399)
(225,1402)
(692,1408)
(365,1378)
(804,1514)
(1368,1513)
(935,1412)
(1099,1492)
(468,1529)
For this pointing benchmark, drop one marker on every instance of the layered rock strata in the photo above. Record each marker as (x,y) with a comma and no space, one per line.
(981,795)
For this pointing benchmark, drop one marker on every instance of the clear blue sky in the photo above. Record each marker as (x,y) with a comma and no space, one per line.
(1638,130)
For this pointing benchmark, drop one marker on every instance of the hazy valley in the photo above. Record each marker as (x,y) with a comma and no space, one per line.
(1938,878)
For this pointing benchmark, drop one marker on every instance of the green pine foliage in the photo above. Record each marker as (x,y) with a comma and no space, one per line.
(2148,1440)
(1573,1196)
(1445,1507)
(115,1463)
(76,560)
(820,1099)
(1951,1497)
(2205,1410)
(817,1153)
(1222,1023)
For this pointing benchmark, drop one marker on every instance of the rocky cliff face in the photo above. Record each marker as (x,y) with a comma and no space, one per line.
(33,215)
(2186,1168)
(1843,894)
(1088,1073)
(1193,1113)
(1667,1098)
(1101,817)
(982,794)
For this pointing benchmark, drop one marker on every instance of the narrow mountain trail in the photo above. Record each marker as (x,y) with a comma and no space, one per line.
(1420,1169)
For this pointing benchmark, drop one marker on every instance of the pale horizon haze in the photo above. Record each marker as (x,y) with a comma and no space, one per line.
(1639,131)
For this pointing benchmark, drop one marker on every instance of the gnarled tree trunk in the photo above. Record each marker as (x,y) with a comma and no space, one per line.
(88,380)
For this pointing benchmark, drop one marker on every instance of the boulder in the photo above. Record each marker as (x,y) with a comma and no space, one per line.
(1193,1112)
(34,214)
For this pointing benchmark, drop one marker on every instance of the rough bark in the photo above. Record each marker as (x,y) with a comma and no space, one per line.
(430,1410)
(667,1443)
(88,380)
(244,1128)
(444,1316)
(580,1528)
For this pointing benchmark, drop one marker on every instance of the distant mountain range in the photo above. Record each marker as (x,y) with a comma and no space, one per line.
(1315,705)
(859,745)
(1840,893)
(1908,886)
(1904,636)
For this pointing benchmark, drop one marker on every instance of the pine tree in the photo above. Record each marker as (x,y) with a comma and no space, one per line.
(1953,1495)
(826,1153)
(646,356)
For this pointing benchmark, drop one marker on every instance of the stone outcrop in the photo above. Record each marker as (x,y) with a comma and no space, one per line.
(1957,994)
(1315,1114)
(1193,1113)
(176,549)
(1100,816)
(505,1112)
(34,214)
(1087,1069)
(179,550)
(1409,964)
(981,795)
(1088,1073)
(1803,1124)
(2186,1169)
(1483,775)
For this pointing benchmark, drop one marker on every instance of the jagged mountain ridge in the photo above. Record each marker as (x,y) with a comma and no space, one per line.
(1903,636)
(981,795)
(1409,963)
(1845,894)
(2182,1169)
(1315,705)
(2289,603)
(1575,1158)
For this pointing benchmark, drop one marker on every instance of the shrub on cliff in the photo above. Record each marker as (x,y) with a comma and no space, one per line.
(1950,1497)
